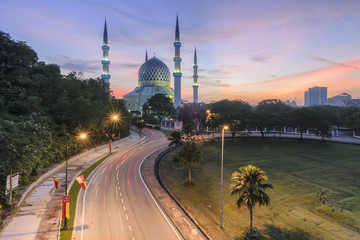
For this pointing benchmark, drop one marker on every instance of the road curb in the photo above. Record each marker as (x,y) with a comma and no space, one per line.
(157,164)
(186,226)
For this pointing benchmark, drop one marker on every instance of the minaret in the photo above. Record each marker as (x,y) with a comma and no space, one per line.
(195,77)
(105,60)
(177,69)
(146,57)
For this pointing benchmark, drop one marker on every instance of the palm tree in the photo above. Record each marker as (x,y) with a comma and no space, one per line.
(247,184)
(176,138)
(190,155)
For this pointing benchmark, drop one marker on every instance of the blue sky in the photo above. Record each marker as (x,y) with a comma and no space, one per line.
(250,50)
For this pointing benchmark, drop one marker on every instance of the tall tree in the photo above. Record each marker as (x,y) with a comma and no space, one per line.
(190,156)
(353,122)
(249,187)
(302,119)
(22,145)
(161,106)
(235,113)
(271,114)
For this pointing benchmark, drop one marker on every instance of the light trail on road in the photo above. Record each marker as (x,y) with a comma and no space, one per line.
(117,204)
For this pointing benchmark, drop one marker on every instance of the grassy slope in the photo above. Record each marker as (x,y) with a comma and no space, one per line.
(295,169)
(74,190)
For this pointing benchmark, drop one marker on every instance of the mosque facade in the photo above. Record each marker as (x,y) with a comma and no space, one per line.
(154,77)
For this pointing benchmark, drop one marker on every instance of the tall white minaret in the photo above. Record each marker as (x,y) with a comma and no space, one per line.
(105,60)
(195,77)
(177,69)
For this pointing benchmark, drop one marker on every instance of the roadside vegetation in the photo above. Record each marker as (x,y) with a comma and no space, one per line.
(315,195)
(40,107)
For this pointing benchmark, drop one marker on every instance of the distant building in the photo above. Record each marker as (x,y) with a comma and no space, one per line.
(316,96)
(291,104)
(339,100)
(343,100)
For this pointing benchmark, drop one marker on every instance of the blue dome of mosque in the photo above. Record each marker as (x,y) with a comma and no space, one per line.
(154,71)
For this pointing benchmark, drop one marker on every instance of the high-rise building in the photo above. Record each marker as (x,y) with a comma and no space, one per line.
(315,96)
(105,60)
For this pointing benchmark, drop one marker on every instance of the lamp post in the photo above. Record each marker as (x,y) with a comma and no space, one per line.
(114,119)
(82,136)
(222,174)
(207,119)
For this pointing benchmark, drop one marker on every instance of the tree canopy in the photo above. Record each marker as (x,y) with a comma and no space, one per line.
(39,105)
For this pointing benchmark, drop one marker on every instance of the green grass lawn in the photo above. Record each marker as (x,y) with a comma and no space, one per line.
(295,169)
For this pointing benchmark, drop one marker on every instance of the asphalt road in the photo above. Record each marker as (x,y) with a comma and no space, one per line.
(117,204)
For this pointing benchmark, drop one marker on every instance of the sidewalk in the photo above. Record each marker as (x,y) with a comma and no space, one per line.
(36,200)
(347,139)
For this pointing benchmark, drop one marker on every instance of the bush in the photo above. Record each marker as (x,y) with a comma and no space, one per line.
(255,234)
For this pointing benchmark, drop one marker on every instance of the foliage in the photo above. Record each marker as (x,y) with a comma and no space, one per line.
(324,195)
(39,106)
(193,113)
(176,139)
(160,105)
(140,125)
(271,114)
(190,156)
(353,121)
(248,185)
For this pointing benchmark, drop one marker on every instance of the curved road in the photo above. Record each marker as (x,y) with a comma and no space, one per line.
(117,204)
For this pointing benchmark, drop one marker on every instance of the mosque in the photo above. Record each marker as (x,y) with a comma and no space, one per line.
(153,77)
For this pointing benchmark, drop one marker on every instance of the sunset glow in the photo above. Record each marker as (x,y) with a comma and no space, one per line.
(249,50)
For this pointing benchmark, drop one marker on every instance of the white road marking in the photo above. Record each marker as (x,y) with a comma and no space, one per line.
(130,228)
(96,191)
(126,217)
(133,238)
(142,161)
(122,228)
(83,209)
(122,200)
(120,194)
(124,208)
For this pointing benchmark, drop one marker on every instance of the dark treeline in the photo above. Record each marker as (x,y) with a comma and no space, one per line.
(271,115)
(39,108)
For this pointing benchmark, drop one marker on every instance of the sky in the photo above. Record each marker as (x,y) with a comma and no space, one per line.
(247,49)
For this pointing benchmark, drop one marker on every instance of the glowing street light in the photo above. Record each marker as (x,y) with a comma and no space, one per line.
(83,136)
(222,174)
(114,118)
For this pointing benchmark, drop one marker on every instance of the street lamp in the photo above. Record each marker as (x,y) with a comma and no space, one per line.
(82,136)
(222,174)
(207,119)
(114,118)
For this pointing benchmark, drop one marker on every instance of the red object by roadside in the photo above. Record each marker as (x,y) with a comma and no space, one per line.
(81,181)
(66,206)
(56,182)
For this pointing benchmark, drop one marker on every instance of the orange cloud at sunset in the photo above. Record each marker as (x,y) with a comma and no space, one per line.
(338,78)
(118,92)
